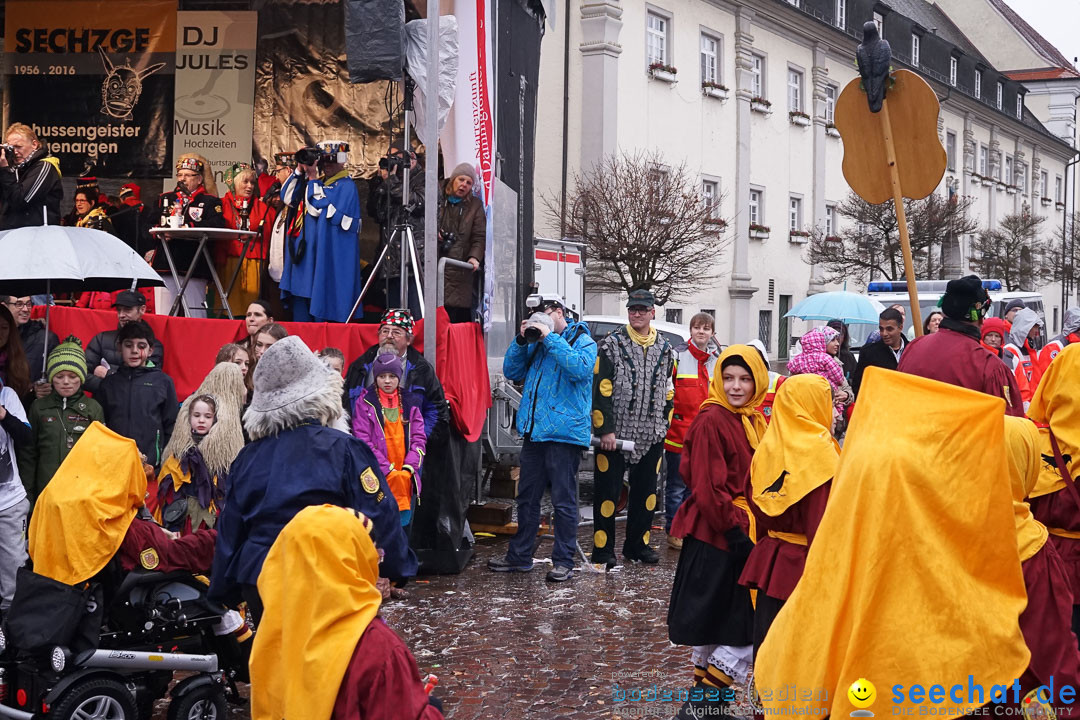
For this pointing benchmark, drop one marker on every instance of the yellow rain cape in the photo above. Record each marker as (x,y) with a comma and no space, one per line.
(914,575)
(1022,445)
(81,518)
(318,589)
(753,421)
(798,445)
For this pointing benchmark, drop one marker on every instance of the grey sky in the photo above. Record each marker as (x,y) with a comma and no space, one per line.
(1056,20)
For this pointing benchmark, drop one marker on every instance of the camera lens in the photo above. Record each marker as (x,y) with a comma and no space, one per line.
(532,335)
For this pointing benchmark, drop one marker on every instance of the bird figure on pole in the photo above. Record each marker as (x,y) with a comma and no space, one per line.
(874,55)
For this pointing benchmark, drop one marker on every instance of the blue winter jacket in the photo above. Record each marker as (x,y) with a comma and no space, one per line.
(557,371)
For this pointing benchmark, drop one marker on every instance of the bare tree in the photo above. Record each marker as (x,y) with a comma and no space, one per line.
(1014,252)
(1066,255)
(645,225)
(869,246)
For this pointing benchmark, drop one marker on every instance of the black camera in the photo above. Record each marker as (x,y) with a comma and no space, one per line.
(308,156)
(447,242)
(9,153)
(393,163)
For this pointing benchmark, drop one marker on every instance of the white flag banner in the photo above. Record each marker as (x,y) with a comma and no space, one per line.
(469,134)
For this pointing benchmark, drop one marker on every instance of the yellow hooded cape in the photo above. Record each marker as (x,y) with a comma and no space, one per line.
(914,576)
(1022,444)
(799,442)
(318,588)
(1057,403)
(85,511)
(753,421)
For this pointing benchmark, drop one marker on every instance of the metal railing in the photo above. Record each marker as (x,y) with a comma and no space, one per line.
(443,263)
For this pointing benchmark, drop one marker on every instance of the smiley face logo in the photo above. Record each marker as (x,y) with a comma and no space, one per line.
(862,694)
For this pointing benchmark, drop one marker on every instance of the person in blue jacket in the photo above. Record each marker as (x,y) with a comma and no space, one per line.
(296,460)
(556,366)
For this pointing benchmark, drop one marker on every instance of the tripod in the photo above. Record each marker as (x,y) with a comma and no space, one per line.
(403,230)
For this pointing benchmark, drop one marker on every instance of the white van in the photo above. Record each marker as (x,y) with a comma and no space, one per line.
(894,292)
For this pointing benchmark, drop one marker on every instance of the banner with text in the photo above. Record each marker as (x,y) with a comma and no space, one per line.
(469,134)
(215,87)
(94,79)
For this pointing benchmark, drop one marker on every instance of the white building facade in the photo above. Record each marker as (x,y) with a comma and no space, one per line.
(777,163)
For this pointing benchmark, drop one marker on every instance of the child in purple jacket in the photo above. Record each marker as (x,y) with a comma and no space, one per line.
(391,424)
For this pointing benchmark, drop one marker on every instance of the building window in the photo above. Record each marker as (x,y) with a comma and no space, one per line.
(1057,189)
(1044,184)
(795,214)
(1000,91)
(765,328)
(755,206)
(673,315)
(978,84)
(841,14)
(1021,177)
(658,180)
(710,59)
(1008,170)
(757,76)
(952,71)
(879,20)
(794,90)
(783,340)
(657,38)
(830,221)
(915,49)
(1019,106)
(984,160)
(710,198)
(793,2)
(950,150)
(830,104)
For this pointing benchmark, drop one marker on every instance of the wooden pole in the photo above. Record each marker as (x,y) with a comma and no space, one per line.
(901,218)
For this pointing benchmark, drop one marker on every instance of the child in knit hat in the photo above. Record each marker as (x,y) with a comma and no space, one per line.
(59,419)
(391,424)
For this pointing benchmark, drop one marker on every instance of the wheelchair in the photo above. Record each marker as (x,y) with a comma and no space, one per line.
(88,654)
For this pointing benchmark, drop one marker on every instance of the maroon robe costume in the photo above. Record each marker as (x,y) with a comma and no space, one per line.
(953,356)
(146,545)
(382,681)
(1046,623)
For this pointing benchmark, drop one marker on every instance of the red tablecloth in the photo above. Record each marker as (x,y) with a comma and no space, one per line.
(192,343)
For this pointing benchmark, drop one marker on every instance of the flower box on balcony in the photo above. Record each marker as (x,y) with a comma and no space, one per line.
(798,118)
(1059,206)
(798,236)
(759,232)
(1045,200)
(665,73)
(718,222)
(714,90)
(1011,189)
(832,238)
(831,130)
(761,105)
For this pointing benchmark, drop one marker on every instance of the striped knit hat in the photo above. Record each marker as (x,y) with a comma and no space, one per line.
(68,355)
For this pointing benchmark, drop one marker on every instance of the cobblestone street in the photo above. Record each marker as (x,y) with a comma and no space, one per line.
(514,645)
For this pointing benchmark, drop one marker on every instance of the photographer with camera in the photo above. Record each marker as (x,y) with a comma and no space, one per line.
(30,186)
(384,205)
(462,236)
(321,276)
(554,356)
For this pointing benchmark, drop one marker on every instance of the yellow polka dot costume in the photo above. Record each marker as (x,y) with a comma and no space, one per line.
(632,398)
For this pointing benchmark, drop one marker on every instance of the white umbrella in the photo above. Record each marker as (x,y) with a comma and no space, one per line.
(69,259)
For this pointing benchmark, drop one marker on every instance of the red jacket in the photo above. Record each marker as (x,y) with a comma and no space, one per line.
(716,469)
(692,378)
(765,408)
(958,358)
(260,215)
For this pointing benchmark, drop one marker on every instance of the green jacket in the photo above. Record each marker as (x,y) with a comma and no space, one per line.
(52,420)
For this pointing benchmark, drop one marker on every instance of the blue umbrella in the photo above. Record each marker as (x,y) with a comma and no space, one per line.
(850,307)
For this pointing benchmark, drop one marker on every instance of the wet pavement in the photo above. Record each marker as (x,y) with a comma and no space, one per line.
(514,645)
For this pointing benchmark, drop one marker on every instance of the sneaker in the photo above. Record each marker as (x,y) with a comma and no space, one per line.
(643,555)
(674,543)
(560,574)
(501,565)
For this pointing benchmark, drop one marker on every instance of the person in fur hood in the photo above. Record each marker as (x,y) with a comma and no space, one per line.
(295,460)
(193,477)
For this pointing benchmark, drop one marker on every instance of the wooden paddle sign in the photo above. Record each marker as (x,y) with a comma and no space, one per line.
(894,153)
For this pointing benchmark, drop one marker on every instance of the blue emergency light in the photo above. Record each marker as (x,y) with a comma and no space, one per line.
(991,284)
